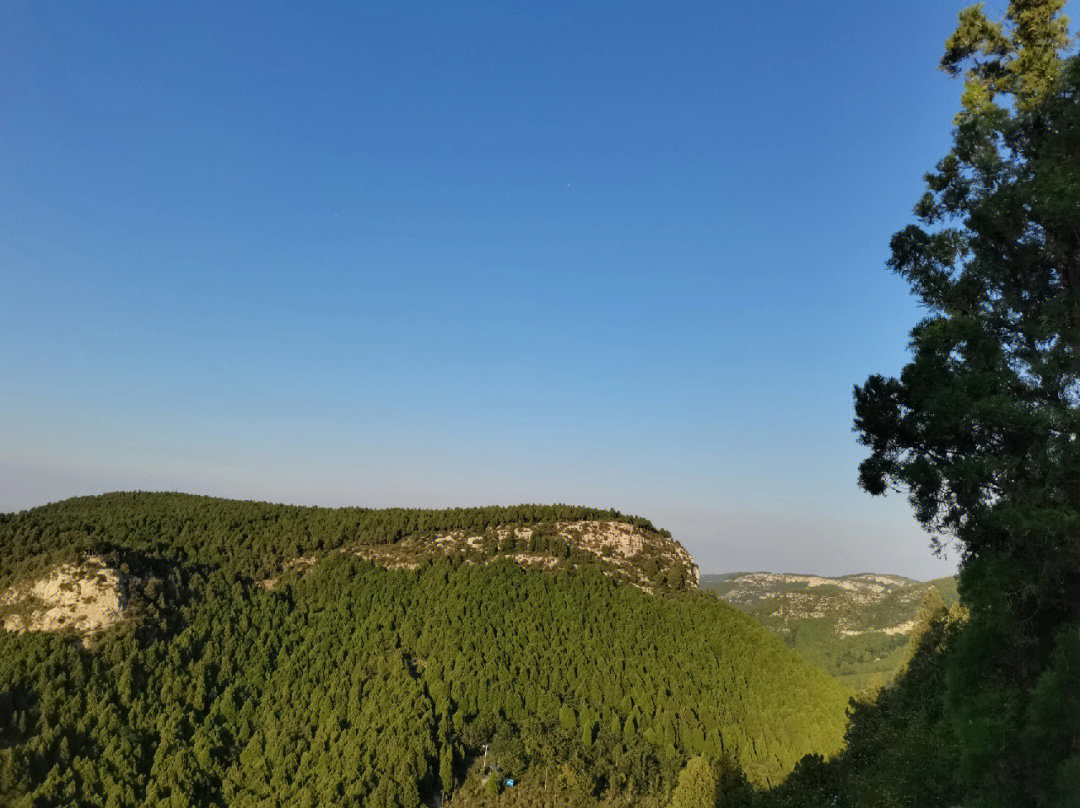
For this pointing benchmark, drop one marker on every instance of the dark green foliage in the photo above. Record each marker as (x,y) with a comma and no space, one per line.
(981,428)
(356,685)
(900,749)
(1053,716)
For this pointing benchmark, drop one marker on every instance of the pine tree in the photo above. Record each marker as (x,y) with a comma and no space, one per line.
(982,426)
(446,769)
(697,786)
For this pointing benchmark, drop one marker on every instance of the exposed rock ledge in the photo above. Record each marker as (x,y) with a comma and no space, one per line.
(85,597)
(621,549)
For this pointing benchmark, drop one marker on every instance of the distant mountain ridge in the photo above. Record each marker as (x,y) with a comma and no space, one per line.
(853,626)
(263,541)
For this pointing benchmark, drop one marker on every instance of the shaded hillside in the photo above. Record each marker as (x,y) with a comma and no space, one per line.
(855,627)
(347,683)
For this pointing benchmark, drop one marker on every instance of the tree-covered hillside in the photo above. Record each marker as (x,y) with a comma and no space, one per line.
(254,539)
(345,683)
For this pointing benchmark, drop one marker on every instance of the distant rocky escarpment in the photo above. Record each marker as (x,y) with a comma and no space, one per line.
(89,595)
(855,627)
(645,558)
(858,604)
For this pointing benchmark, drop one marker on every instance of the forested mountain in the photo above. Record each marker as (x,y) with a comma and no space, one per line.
(855,627)
(235,677)
(258,540)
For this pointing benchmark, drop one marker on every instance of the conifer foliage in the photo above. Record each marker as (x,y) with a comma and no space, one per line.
(981,429)
(350,684)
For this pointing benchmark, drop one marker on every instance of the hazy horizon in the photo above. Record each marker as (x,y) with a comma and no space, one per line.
(834,566)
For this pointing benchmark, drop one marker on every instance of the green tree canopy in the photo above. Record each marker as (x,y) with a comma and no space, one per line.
(982,426)
(697,786)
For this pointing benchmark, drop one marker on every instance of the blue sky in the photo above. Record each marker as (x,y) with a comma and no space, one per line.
(626,255)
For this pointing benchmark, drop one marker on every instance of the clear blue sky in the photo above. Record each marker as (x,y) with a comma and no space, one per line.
(625,255)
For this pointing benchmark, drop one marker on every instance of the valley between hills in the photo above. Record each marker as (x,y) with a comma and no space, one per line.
(858,628)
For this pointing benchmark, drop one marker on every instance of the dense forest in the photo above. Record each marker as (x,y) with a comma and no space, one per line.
(980,430)
(346,683)
(240,678)
(252,539)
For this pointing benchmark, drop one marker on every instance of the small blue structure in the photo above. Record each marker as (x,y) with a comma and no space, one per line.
(509,783)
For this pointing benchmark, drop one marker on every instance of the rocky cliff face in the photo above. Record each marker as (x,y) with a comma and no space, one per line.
(89,596)
(644,558)
(855,627)
(85,598)
(859,604)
